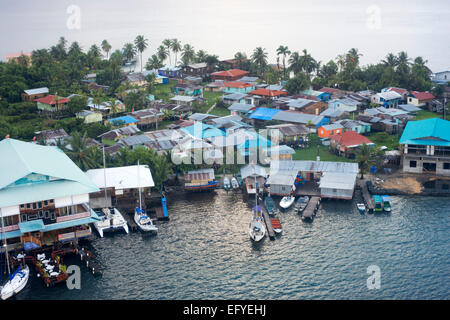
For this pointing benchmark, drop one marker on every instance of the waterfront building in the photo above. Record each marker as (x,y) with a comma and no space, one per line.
(122,187)
(251,172)
(426,147)
(44,196)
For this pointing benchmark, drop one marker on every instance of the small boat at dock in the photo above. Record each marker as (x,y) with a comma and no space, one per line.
(16,282)
(378,202)
(276,225)
(270,206)
(301,204)
(361,207)
(287,201)
(144,222)
(235,184)
(257,230)
(386,203)
(226,184)
(111,220)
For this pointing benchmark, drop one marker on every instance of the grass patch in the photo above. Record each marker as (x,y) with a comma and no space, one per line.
(310,153)
(384,139)
(425,114)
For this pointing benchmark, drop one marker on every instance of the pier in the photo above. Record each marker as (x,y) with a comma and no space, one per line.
(269,227)
(366,195)
(311,208)
(88,258)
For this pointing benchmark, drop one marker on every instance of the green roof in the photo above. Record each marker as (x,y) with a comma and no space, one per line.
(433,131)
(20,159)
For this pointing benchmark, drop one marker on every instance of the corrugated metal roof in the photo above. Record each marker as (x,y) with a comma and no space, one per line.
(203,174)
(297,117)
(36,91)
(313,166)
(418,132)
(264,113)
(251,170)
(122,177)
(336,180)
(242,107)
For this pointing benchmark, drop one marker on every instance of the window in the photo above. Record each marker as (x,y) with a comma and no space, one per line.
(28,206)
(413,164)
(40,205)
(45,203)
(446,165)
(34,205)
(22,206)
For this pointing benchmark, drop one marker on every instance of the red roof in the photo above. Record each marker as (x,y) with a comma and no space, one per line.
(350,139)
(268,93)
(237,85)
(422,95)
(230,73)
(329,90)
(52,100)
(398,90)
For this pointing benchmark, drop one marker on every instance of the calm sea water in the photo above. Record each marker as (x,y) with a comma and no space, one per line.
(204,252)
(325,27)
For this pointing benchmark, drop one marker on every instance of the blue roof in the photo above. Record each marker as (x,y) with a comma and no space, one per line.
(424,132)
(257,141)
(264,113)
(31,226)
(124,119)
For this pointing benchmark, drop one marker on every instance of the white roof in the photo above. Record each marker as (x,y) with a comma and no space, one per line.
(122,177)
(183,98)
(338,180)
(389,95)
(36,91)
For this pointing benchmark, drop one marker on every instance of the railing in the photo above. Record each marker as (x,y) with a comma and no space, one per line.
(9,228)
(75,234)
(73,216)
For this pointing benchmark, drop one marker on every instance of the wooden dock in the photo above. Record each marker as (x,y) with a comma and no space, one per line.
(269,227)
(311,208)
(88,258)
(160,214)
(366,195)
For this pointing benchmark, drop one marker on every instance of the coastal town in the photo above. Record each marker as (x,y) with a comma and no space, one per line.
(100,141)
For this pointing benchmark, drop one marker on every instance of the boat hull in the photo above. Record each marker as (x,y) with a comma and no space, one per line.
(145,227)
(202,188)
(286,202)
(15,285)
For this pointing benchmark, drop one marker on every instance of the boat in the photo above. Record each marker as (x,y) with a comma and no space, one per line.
(257,230)
(19,279)
(378,203)
(143,221)
(301,203)
(287,201)
(200,180)
(276,225)
(270,206)
(234,183)
(386,203)
(226,184)
(110,220)
(361,207)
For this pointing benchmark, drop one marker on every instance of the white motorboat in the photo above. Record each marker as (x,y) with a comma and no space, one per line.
(226,184)
(257,230)
(287,201)
(111,220)
(361,207)
(17,281)
(144,222)
(234,183)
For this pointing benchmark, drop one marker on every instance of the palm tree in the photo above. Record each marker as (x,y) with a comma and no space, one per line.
(241,57)
(153,63)
(162,53)
(283,51)
(211,61)
(188,54)
(106,47)
(75,48)
(363,157)
(353,56)
(141,44)
(295,63)
(340,60)
(403,58)
(259,58)
(201,56)
(79,151)
(94,51)
(129,51)
(390,60)
(161,168)
(307,62)
(176,47)
(168,44)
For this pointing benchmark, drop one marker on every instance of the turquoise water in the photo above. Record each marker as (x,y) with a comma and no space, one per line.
(204,252)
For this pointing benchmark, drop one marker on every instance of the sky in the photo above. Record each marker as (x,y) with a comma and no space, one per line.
(325,28)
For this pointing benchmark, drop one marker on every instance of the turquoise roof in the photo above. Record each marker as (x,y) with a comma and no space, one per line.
(31,226)
(257,141)
(264,113)
(124,119)
(24,159)
(420,132)
(201,130)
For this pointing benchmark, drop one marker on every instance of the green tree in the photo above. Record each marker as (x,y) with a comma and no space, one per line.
(79,152)
(298,83)
(176,47)
(283,51)
(106,47)
(77,104)
(168,44)
(141,44)
(259,59)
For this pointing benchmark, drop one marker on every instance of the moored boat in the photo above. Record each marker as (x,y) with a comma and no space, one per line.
(226,184)
(257,229)
(276,225)
(287,201)
(301,204)
(378,202)
(143,221)
(111,220)
(234,183)
(386,203)
(16,282)
(361,207)
(270,206)
(200,180)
